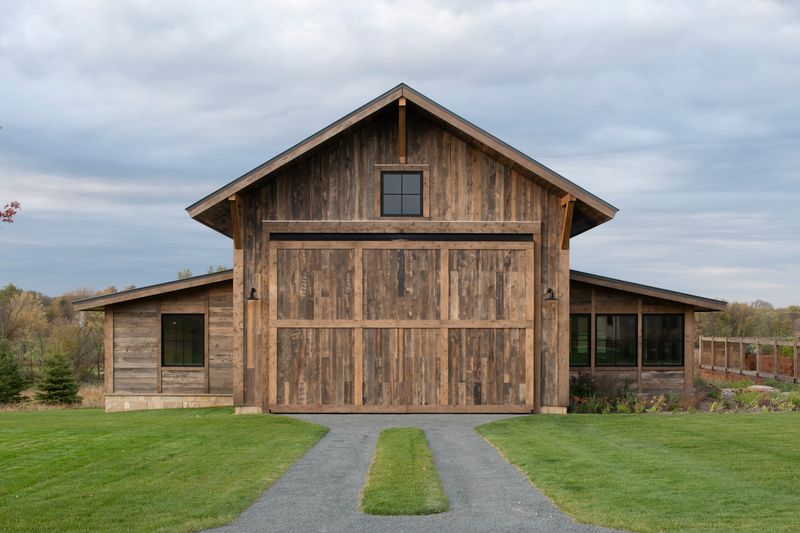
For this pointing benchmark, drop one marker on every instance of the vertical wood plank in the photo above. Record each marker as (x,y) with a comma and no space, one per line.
(159,355)
(689,361)
(272,344)
(639,344)
(358,333)
(273,366)
(401,131)
(593,334)
(776,362)
(239,369)
(538,315)
(741,356)
(727,366)
(530,310)
(444,314)
(108,349)
(758,357)
(206,347)
(263,274)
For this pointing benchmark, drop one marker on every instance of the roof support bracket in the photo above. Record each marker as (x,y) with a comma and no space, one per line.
(401,131)
(236,222)
(568,203)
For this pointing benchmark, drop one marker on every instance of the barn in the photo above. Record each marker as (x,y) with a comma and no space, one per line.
(399,260)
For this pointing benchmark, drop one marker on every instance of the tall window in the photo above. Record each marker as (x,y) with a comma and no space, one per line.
(662,340)
(182,340)
(615,343)
(401,194)
(579,336)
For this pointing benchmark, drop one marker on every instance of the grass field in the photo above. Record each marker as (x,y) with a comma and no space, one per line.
(172,470)
(403,479)
(709,472)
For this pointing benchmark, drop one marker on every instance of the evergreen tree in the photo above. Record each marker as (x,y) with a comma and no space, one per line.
(11,382)
(56,383)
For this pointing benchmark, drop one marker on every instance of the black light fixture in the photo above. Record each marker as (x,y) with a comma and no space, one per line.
(252,294)
(550,296)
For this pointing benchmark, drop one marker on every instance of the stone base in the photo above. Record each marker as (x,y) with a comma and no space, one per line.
(552,410)
(248,410)
(138,402)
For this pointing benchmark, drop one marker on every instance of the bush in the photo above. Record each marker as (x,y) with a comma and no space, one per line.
(56,383)
(11,382)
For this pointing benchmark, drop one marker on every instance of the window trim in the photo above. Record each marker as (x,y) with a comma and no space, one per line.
(635,363)
(425,194)
(162,340)
(402,195)
(682,342)
(591,331)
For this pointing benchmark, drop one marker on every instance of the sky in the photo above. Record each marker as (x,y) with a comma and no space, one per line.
(685,115)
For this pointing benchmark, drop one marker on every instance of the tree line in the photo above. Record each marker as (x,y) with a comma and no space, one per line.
(755,319)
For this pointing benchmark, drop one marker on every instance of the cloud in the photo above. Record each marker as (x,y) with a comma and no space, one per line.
(116,115)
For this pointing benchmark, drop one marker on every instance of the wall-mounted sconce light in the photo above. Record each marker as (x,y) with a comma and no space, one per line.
(550,296)
(252,294)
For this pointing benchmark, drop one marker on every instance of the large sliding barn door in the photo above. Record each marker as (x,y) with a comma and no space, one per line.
(403,325)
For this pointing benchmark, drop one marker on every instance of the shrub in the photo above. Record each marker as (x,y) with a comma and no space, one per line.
(749,399)
(56,383)
(583,385)
(780,385)
(11,382)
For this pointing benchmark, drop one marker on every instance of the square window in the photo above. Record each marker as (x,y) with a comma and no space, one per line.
(182,340)
(401,194)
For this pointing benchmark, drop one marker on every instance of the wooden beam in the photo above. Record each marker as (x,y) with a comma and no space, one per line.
(399,226)
(108,350)
(401,131)
(568,203)
(236,222)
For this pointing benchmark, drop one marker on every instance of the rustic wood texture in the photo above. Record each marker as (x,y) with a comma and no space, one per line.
(401,284)
(136,347)
(488,284)
(315,284)
(315,367)
(486,367)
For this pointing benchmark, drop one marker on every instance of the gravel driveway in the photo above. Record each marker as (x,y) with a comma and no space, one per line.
(321,492)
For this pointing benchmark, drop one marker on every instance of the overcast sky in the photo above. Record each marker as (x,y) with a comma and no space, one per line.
(685,115)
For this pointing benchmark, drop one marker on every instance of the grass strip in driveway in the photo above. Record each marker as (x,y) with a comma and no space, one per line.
(703,472)
(172,470)
(403,479)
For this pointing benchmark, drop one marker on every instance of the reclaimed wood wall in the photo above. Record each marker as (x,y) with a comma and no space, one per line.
(596,300)
(135,331)
(337,182)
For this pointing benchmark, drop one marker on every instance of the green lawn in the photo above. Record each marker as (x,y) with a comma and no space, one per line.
(403,479)
(171,470)
(703,472)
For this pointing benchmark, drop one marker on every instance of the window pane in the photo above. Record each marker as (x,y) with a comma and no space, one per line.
(579,340)
(663,340)
(392,183)
(182,340)
(411,183)
(616,340)
(412,204)
(392,204)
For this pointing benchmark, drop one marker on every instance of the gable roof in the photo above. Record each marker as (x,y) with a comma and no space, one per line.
(700,303)
(590,210)
(96,303)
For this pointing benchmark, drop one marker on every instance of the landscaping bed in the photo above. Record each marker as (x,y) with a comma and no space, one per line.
(172,470)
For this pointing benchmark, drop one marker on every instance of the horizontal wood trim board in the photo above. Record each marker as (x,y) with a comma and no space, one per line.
(404,324)
(396,226)
(399,245)
(400,409)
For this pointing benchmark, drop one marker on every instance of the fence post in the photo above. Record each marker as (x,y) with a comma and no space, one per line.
(758,356)
(713,354)
(741,355)
(776,370)
(727,366)
(795,374)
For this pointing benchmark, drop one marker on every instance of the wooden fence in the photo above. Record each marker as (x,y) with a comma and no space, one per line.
(751,356)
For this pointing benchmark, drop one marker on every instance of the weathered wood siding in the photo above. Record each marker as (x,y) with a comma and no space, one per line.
(136,330)
(337,182)
(596,300)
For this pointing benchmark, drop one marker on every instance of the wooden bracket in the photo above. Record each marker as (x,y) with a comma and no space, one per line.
(236,223)
(401,131)
(568,203)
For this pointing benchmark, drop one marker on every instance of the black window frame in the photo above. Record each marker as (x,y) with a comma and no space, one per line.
(403,195)
(573,341)
(634,341)
(681,343)
(191,363)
